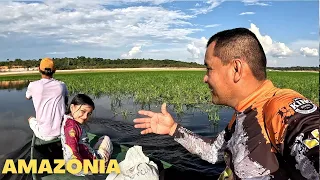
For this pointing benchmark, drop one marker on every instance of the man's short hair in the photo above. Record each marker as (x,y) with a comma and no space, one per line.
(47,66)
(240,43)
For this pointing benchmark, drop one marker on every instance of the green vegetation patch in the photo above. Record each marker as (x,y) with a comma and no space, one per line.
(182,89)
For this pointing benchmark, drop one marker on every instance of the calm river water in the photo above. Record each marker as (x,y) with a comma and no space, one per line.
(116,122)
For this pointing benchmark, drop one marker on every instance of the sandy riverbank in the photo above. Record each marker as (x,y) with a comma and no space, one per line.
(107,70)
(291,71)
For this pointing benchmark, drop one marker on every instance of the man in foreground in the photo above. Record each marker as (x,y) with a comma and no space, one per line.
(274,133)
(49,98)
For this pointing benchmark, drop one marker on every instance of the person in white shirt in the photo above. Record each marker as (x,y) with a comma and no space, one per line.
(49,97)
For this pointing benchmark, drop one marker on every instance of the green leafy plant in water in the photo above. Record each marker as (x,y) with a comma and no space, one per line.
(182,89)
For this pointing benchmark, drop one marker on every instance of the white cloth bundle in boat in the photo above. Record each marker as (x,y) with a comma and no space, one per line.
(136,166)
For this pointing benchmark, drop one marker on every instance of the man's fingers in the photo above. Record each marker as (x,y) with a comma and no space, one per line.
(141,120)
(144,125)
(146,113)
(146,131)
(164,109)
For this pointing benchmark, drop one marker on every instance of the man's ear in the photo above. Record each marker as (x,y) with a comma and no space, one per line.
(237,66)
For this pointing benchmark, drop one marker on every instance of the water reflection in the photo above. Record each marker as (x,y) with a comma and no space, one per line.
(113,116)
(119,103)
(14,85)
(120,108)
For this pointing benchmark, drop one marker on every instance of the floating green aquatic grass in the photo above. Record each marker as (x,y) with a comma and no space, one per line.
(183,90)
(306,83)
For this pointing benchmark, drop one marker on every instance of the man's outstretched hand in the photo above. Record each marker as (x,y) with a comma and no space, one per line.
(158,123)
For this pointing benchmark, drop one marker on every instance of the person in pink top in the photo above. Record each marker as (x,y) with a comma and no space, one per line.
(74,139)
(49,97)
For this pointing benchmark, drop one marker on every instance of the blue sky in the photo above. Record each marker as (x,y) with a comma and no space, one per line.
(158,29)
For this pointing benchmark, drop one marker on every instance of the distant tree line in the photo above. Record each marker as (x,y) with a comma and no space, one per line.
(82,62)
(295,68)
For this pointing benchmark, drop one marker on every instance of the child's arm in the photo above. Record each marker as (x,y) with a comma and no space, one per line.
(29,92)
(72,135)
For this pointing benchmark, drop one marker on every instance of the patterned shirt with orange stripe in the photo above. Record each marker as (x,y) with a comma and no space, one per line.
(274,134)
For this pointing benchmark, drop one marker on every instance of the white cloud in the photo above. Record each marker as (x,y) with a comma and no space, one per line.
(157,2)
(292,61)
(254,2)
(250,1)
(272,48)
(93,28)
(176,53)
(132,53)
(305,43)
(212,25)
(89,22)
(272,63)
(306,48)
(209,6)
(197,49)
(309,52)
(282,55)
(247,13)
(56,53)
(166,50)
(297,58)
(115,2)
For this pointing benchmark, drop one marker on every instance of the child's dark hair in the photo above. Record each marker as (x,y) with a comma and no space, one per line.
(80,99)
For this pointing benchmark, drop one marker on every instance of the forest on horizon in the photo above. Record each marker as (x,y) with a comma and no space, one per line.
(82,62)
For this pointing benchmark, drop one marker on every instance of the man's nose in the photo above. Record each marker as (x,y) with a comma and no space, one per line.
(205,78)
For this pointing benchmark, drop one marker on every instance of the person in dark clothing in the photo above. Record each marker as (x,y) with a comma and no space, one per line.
(274,133)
